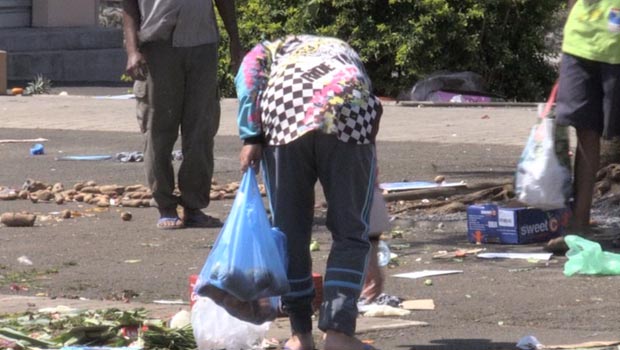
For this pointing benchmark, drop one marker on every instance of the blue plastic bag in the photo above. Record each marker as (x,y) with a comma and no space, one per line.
(248,259)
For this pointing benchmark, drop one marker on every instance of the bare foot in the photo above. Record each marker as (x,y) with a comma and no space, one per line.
(340,341)
(300,342)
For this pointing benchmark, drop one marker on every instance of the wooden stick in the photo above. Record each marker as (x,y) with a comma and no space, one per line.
(23,140)
(440,191)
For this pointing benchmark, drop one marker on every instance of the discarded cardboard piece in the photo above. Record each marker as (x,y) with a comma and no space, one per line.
(419,304)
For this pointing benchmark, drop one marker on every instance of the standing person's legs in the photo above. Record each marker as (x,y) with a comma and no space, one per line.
(201,119)
(164,93)
(290,177)
(580,104)
(346,172)
(587,162)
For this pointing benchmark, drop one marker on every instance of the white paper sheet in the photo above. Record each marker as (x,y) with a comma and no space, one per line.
(427,273)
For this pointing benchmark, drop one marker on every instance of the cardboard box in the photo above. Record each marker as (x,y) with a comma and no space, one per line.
(490,223)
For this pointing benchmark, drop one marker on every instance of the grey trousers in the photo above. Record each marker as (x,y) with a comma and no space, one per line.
(346,173)
(180,93)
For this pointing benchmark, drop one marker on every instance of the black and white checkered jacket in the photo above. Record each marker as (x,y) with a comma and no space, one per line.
(298,84)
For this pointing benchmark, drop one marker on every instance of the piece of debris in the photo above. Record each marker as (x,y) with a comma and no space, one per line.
(459,253)
(419,304)
(40,139)
(426,273)
(525,256)
(18,219)
(126,216)
(24,260)
(375,310)
(65,214)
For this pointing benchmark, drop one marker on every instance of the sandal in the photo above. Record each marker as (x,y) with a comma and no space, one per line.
(170,223)
(196,218)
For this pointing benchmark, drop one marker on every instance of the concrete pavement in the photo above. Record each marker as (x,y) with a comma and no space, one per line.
(475,125)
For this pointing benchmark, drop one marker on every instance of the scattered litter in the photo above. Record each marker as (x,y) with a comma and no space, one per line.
(133,261)
(419,304)
(85,157)
(315,246)
(116,97)
(525,256)
(459,253)
(170,302)
(427,273)
(374,310)
(24,260)
(525,269)
(428,282)
(181,319)
(272,343)
(37,149)
(137,156)
(60,309)
(40,139)
(531,343)
(588,258)
(129,157)
(417,185)
(177,155)
(382,299)
(399,246)
(593,345)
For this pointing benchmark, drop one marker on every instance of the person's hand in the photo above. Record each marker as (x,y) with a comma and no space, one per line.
(236,56)
(250,156)
(136,66)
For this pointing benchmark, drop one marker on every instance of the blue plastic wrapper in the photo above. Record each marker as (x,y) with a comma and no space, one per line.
(37,149)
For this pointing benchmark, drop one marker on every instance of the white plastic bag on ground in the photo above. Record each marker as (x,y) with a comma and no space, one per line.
(215,329)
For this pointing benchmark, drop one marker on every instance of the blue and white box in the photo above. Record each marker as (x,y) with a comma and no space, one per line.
(491,223)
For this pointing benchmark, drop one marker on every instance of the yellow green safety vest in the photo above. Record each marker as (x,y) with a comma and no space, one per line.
(592,31)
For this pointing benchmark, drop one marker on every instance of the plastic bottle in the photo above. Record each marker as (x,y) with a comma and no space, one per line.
(383,253)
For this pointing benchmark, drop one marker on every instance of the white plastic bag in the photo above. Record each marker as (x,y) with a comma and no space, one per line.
(215,329)
(544,177)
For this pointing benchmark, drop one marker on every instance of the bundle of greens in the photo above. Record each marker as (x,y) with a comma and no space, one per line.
(63,327)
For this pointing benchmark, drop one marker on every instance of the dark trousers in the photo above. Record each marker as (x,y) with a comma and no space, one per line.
(346,173)
(180,94)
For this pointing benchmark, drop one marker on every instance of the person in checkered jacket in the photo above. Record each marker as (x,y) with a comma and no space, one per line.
(307,113)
